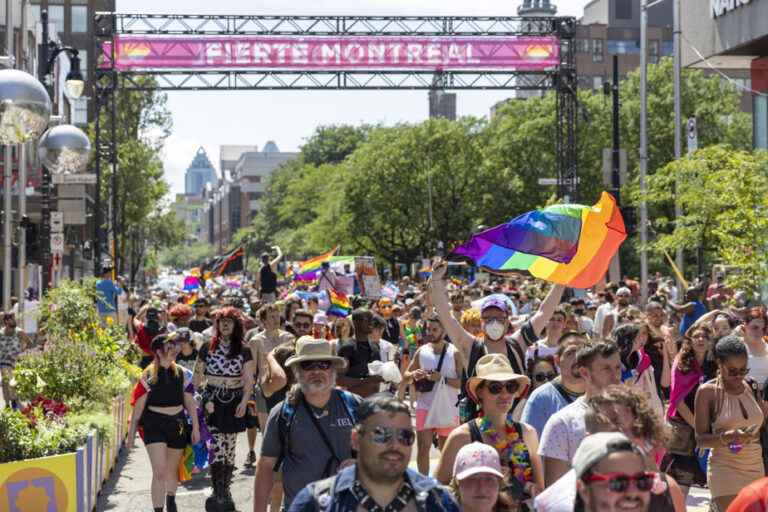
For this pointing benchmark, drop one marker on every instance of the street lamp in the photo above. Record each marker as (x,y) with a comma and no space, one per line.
(25,109)
(64,149)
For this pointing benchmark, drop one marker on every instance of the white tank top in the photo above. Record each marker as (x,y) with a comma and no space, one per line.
(428,360)
(758,367)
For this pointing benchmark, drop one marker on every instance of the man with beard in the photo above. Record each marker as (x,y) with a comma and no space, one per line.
(381,479)
(611,320)
(611,475)
(200,321)
(549,398)
(308,434)
(433,361)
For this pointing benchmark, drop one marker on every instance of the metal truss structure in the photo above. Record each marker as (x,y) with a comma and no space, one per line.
(562,78)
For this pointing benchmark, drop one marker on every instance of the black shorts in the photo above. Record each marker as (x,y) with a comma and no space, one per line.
(162,428)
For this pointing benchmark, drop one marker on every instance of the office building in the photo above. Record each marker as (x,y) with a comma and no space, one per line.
(732,37)
(198,174)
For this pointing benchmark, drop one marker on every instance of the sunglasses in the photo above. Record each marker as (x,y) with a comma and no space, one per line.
(736,372)
(383,435)
(620,482)
(495,387)
(544,377)
(302,325)
(308,366)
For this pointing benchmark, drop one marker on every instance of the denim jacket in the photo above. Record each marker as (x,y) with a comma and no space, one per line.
(335,494)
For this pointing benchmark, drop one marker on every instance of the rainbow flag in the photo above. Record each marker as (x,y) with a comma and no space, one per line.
(567,244)
(309,267)
(191,283)
(340,305)
(191,299)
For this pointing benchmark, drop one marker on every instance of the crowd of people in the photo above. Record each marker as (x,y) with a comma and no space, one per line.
(515,394)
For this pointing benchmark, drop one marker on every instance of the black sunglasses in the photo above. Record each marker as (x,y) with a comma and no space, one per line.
(302,325)
(737,372)
(619,482)
(383,435)
(544,377)
(308,366)
(495,387)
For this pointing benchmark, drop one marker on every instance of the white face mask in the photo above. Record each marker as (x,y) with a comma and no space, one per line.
(494,330)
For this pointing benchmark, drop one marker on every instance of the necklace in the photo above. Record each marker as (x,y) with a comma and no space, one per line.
(512,450)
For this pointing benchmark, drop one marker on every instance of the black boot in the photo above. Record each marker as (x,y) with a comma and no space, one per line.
(213,503)
(170,503)
(228,503)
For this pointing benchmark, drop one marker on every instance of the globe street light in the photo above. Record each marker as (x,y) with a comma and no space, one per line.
(25,109)
(64,149)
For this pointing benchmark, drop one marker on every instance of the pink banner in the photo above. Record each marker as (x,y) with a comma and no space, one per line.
(320,53)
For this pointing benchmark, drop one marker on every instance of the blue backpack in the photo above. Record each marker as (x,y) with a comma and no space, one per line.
(288,413)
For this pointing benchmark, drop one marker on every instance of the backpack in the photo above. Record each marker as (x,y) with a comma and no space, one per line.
(288,413)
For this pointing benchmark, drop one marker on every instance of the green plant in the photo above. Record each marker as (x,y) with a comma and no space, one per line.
(102,422)
(20,440)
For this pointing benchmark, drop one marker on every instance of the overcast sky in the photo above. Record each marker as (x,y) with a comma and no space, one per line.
(211,119)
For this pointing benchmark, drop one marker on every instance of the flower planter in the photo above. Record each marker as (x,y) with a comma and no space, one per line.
(68,482)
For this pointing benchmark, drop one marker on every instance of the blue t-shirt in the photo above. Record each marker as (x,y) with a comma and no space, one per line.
(545,401)
(699,310)
(108,292)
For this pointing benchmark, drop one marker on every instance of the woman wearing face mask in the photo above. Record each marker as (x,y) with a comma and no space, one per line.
(495,389)
(728,418)
(13,341)
(477,480)
(226,367)
(637,370)
(165,391)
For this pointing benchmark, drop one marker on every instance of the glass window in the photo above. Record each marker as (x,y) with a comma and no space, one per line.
(582,45)
(83,54)
(597,50)
(597,83)
(80,18)
(56,16)
(34,15)
(623,47)
(79,111)
(667,48)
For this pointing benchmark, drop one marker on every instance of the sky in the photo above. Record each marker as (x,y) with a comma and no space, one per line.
(211,119)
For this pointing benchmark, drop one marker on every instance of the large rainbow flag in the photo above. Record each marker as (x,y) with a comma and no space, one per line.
(567,244)
(308,270)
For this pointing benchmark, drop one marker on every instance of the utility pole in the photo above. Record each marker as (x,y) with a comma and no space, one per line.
(7,179)
(22,181)
(676,29)
(643,149)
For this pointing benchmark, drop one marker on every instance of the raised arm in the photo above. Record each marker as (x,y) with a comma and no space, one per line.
(547,308)
(277,259)
(437,293)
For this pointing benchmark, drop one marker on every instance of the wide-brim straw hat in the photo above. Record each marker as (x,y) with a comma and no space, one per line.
(314,349)
(494,367)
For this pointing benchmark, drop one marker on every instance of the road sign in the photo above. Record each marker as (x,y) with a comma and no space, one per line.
(57,243)
(693,135)
(57,222)
(74,179)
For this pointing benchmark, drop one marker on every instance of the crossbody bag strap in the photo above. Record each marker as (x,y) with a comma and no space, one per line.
(442,357)
(563,393)
(320,429)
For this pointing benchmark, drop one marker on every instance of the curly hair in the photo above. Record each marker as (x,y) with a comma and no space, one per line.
(180,311)
(468,316)
(646,424)
(686,359)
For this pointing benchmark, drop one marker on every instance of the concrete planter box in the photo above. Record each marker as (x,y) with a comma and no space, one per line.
(68,482)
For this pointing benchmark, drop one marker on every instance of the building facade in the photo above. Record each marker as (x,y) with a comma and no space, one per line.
(727,35)
(235,201)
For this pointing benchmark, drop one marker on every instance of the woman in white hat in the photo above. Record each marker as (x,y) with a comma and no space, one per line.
(495,387)
(477,479)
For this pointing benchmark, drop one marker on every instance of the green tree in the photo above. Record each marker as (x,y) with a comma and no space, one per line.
(395,177)
(159,231)
(143,122)
(724,195)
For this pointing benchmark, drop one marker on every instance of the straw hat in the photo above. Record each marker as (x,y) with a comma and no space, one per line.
(494,367)
(314,349)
